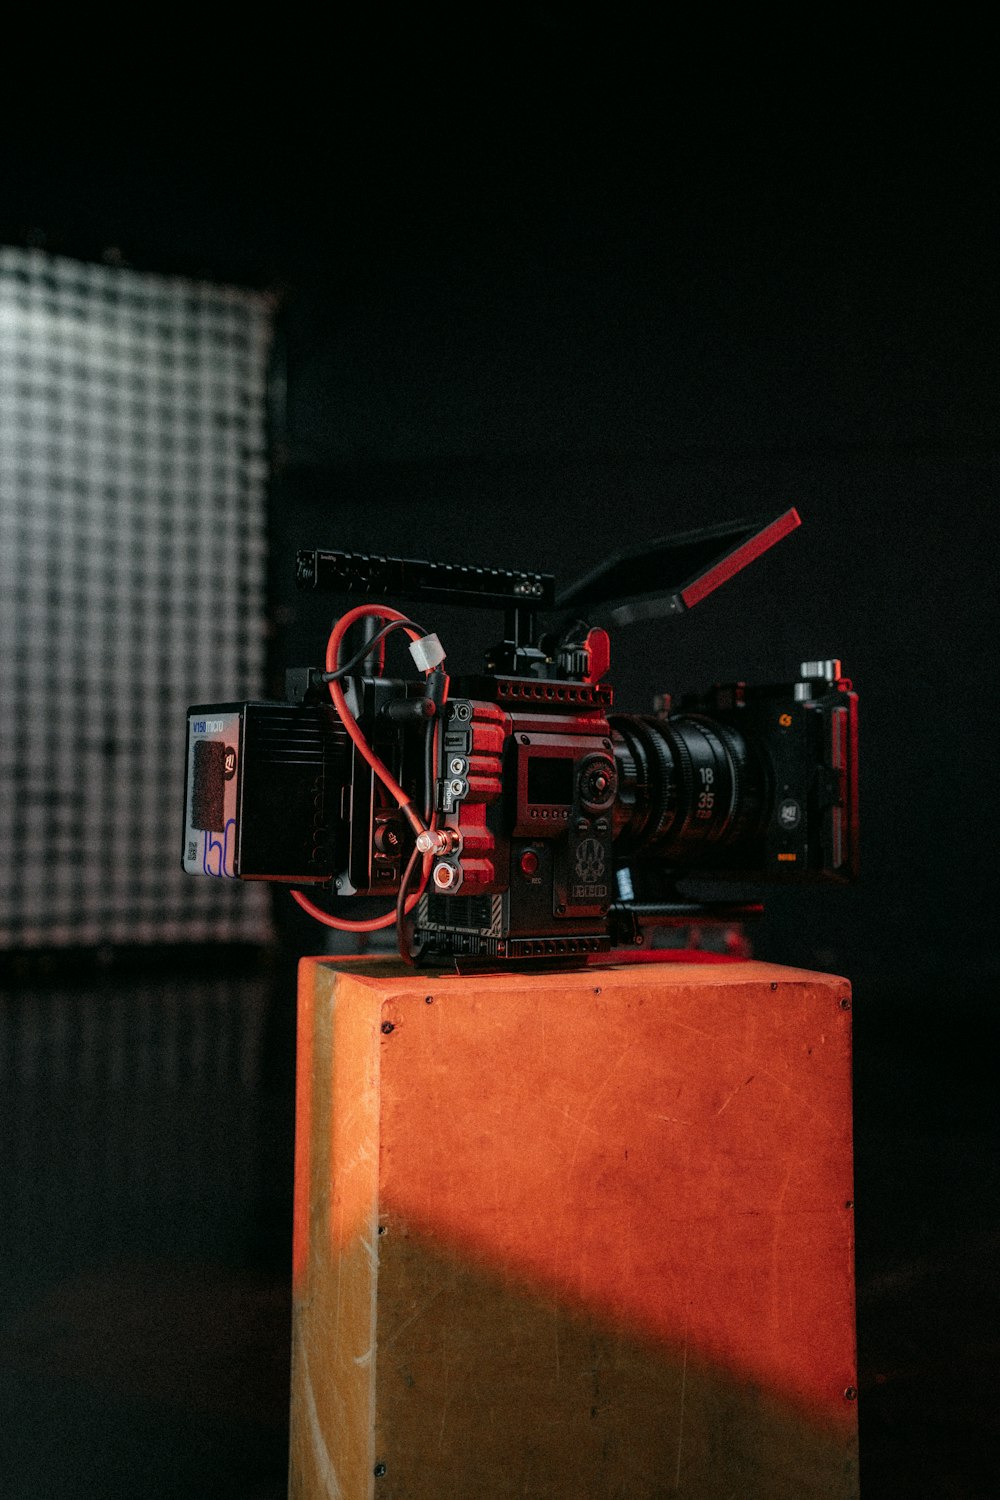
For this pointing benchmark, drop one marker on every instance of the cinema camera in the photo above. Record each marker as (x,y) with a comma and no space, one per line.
(512,815)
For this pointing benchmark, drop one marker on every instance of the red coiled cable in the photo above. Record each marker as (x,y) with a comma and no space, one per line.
(370,924)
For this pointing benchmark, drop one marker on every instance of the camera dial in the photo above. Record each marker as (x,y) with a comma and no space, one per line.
(597,782)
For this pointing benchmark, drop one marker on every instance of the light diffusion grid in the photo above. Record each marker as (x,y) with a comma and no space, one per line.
(132,570)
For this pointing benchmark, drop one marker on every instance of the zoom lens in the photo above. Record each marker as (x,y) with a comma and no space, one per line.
(687,787)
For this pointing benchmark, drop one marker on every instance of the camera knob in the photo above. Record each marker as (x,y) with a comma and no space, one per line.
(573,662)
(598,783)
(826,671)
(387,839)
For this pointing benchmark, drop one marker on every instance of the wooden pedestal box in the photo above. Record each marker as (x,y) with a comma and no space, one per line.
(573,1235)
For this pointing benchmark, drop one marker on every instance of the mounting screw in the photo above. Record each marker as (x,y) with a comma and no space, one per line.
(428,999)
(379,1471)
(849,1203)
(560,909)
(381,1229)
(597,989)
(387,1027)
(525,739)
(774,984)
(851,1394)
(845,1004)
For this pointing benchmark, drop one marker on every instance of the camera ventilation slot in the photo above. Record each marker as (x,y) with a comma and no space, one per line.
(460,913)
(570,694)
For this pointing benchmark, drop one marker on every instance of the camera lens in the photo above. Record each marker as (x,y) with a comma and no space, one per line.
(688,786)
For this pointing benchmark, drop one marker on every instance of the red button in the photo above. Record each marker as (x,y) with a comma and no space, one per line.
(529,862)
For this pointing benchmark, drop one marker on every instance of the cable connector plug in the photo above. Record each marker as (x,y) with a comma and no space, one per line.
(410,710)
(439,841)
(428,652)
(437,688)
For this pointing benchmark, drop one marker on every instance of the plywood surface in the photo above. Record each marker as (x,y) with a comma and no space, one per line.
(616,1247)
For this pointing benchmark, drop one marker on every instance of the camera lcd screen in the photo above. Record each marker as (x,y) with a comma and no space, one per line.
(550,779)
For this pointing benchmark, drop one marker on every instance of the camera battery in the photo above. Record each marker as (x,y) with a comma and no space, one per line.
(264,791)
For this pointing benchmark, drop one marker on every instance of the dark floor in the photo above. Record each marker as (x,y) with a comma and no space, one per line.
(146,1161)
(927,1132)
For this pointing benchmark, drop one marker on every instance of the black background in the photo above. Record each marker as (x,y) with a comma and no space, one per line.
(546,290)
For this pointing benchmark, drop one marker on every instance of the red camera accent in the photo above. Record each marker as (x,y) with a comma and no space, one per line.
(738,560)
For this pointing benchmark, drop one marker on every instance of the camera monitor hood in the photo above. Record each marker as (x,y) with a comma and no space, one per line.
(672,574)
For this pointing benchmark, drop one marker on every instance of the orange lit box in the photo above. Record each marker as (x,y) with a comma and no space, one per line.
(585,1234)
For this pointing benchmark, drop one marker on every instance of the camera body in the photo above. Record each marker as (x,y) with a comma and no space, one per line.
(562,828)
(566,819)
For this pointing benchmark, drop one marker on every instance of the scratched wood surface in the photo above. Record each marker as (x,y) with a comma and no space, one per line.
(575,1235)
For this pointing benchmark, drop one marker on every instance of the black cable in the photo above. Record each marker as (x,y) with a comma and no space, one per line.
(404,922)
(370,646)
(574,629)
(430,769)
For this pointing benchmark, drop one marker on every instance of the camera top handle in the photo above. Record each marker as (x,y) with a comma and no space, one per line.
(372,576)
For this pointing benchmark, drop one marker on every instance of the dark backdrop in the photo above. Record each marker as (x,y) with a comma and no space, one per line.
(577,291)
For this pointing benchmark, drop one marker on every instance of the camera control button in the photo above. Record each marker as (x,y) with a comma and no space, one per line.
(529,863)
(582,825)
(597,783)
(387,840)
